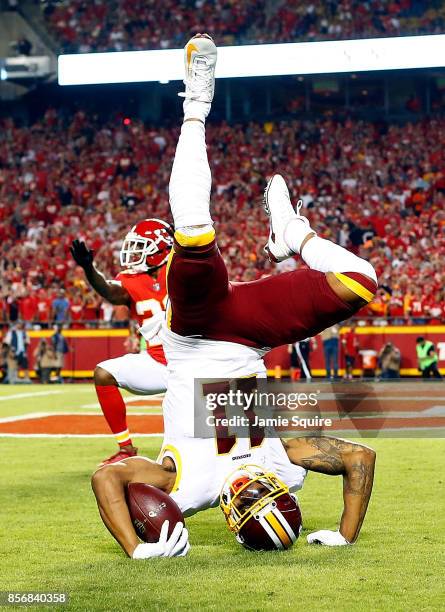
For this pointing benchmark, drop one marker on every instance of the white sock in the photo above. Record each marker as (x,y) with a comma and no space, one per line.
(193,109)
(326,256)
(295,232)
(191,180)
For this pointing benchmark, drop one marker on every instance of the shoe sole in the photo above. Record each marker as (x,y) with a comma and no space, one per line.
(99,465)
(203,35)
(200,37)
(266,208)
(265,199)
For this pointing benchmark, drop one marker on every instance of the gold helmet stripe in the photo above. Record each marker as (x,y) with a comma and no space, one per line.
(278,529)
(290,532)
(271,533)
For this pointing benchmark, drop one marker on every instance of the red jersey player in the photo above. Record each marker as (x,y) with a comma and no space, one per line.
(141,286)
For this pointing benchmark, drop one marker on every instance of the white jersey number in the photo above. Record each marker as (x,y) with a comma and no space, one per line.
(148,308)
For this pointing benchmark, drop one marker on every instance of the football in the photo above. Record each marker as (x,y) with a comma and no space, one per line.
(149,507)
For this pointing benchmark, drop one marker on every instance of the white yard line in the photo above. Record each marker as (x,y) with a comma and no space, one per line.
(157,435)
(438,412)
(364,433)
(435,411)
(43,415)
(4,398)
(343,395)
(25,417)
(42,435)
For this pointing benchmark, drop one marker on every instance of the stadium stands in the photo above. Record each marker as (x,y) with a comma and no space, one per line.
(380,191)
(122,25)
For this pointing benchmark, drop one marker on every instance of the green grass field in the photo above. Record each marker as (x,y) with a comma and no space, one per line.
(51,537)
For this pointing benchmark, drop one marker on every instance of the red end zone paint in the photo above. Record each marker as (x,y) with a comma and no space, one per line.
(351,407)
(95,424)
(75,424)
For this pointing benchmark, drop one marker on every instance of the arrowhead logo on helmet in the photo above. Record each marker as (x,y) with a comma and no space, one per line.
(259,509)
(147,245)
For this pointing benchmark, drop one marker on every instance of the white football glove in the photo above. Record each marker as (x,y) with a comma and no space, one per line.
(177,545)
(327,538)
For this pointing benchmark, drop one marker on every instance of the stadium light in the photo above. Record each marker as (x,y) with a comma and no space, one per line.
(259,60)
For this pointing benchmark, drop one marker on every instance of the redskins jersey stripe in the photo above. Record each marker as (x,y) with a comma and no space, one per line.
(194,241)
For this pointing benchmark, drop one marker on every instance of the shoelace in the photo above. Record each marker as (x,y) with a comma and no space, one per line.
(299,207)
(202,77)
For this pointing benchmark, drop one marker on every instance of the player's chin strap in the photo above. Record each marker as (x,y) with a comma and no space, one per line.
(152,327)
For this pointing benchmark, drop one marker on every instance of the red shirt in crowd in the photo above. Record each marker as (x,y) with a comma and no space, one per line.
(43,304)
(28,307)
(419,307)
(350,343)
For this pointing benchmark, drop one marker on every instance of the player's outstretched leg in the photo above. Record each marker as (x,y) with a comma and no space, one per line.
(197,276)
(191,181)
(352,278)
(115,413)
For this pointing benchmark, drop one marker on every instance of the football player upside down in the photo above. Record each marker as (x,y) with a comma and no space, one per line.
(216,329)
(141,286)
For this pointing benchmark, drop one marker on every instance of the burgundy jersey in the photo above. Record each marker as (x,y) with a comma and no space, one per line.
(148,297)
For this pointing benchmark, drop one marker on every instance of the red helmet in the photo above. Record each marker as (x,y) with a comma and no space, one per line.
(259,509)
(147,245)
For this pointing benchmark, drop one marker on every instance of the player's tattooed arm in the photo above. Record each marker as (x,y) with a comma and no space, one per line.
(111,291)
(333,456)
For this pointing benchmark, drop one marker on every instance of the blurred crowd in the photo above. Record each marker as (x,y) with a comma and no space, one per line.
(121,25)
(47,358)
(351,352)
(376,189)
(344,19)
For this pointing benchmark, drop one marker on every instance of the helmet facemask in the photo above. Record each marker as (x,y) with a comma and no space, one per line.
(259,510)
(142,253)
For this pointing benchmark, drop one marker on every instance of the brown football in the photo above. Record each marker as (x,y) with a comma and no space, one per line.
(149,508)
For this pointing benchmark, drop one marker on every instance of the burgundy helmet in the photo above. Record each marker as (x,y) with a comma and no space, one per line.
(259,509)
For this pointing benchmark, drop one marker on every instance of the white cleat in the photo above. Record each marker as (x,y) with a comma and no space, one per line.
(280,211)
(200,60)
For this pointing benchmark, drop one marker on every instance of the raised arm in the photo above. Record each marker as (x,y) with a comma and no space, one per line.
(109,484)
(111,291)
(333,456)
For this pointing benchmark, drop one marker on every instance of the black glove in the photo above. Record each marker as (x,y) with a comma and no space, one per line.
(82,255)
